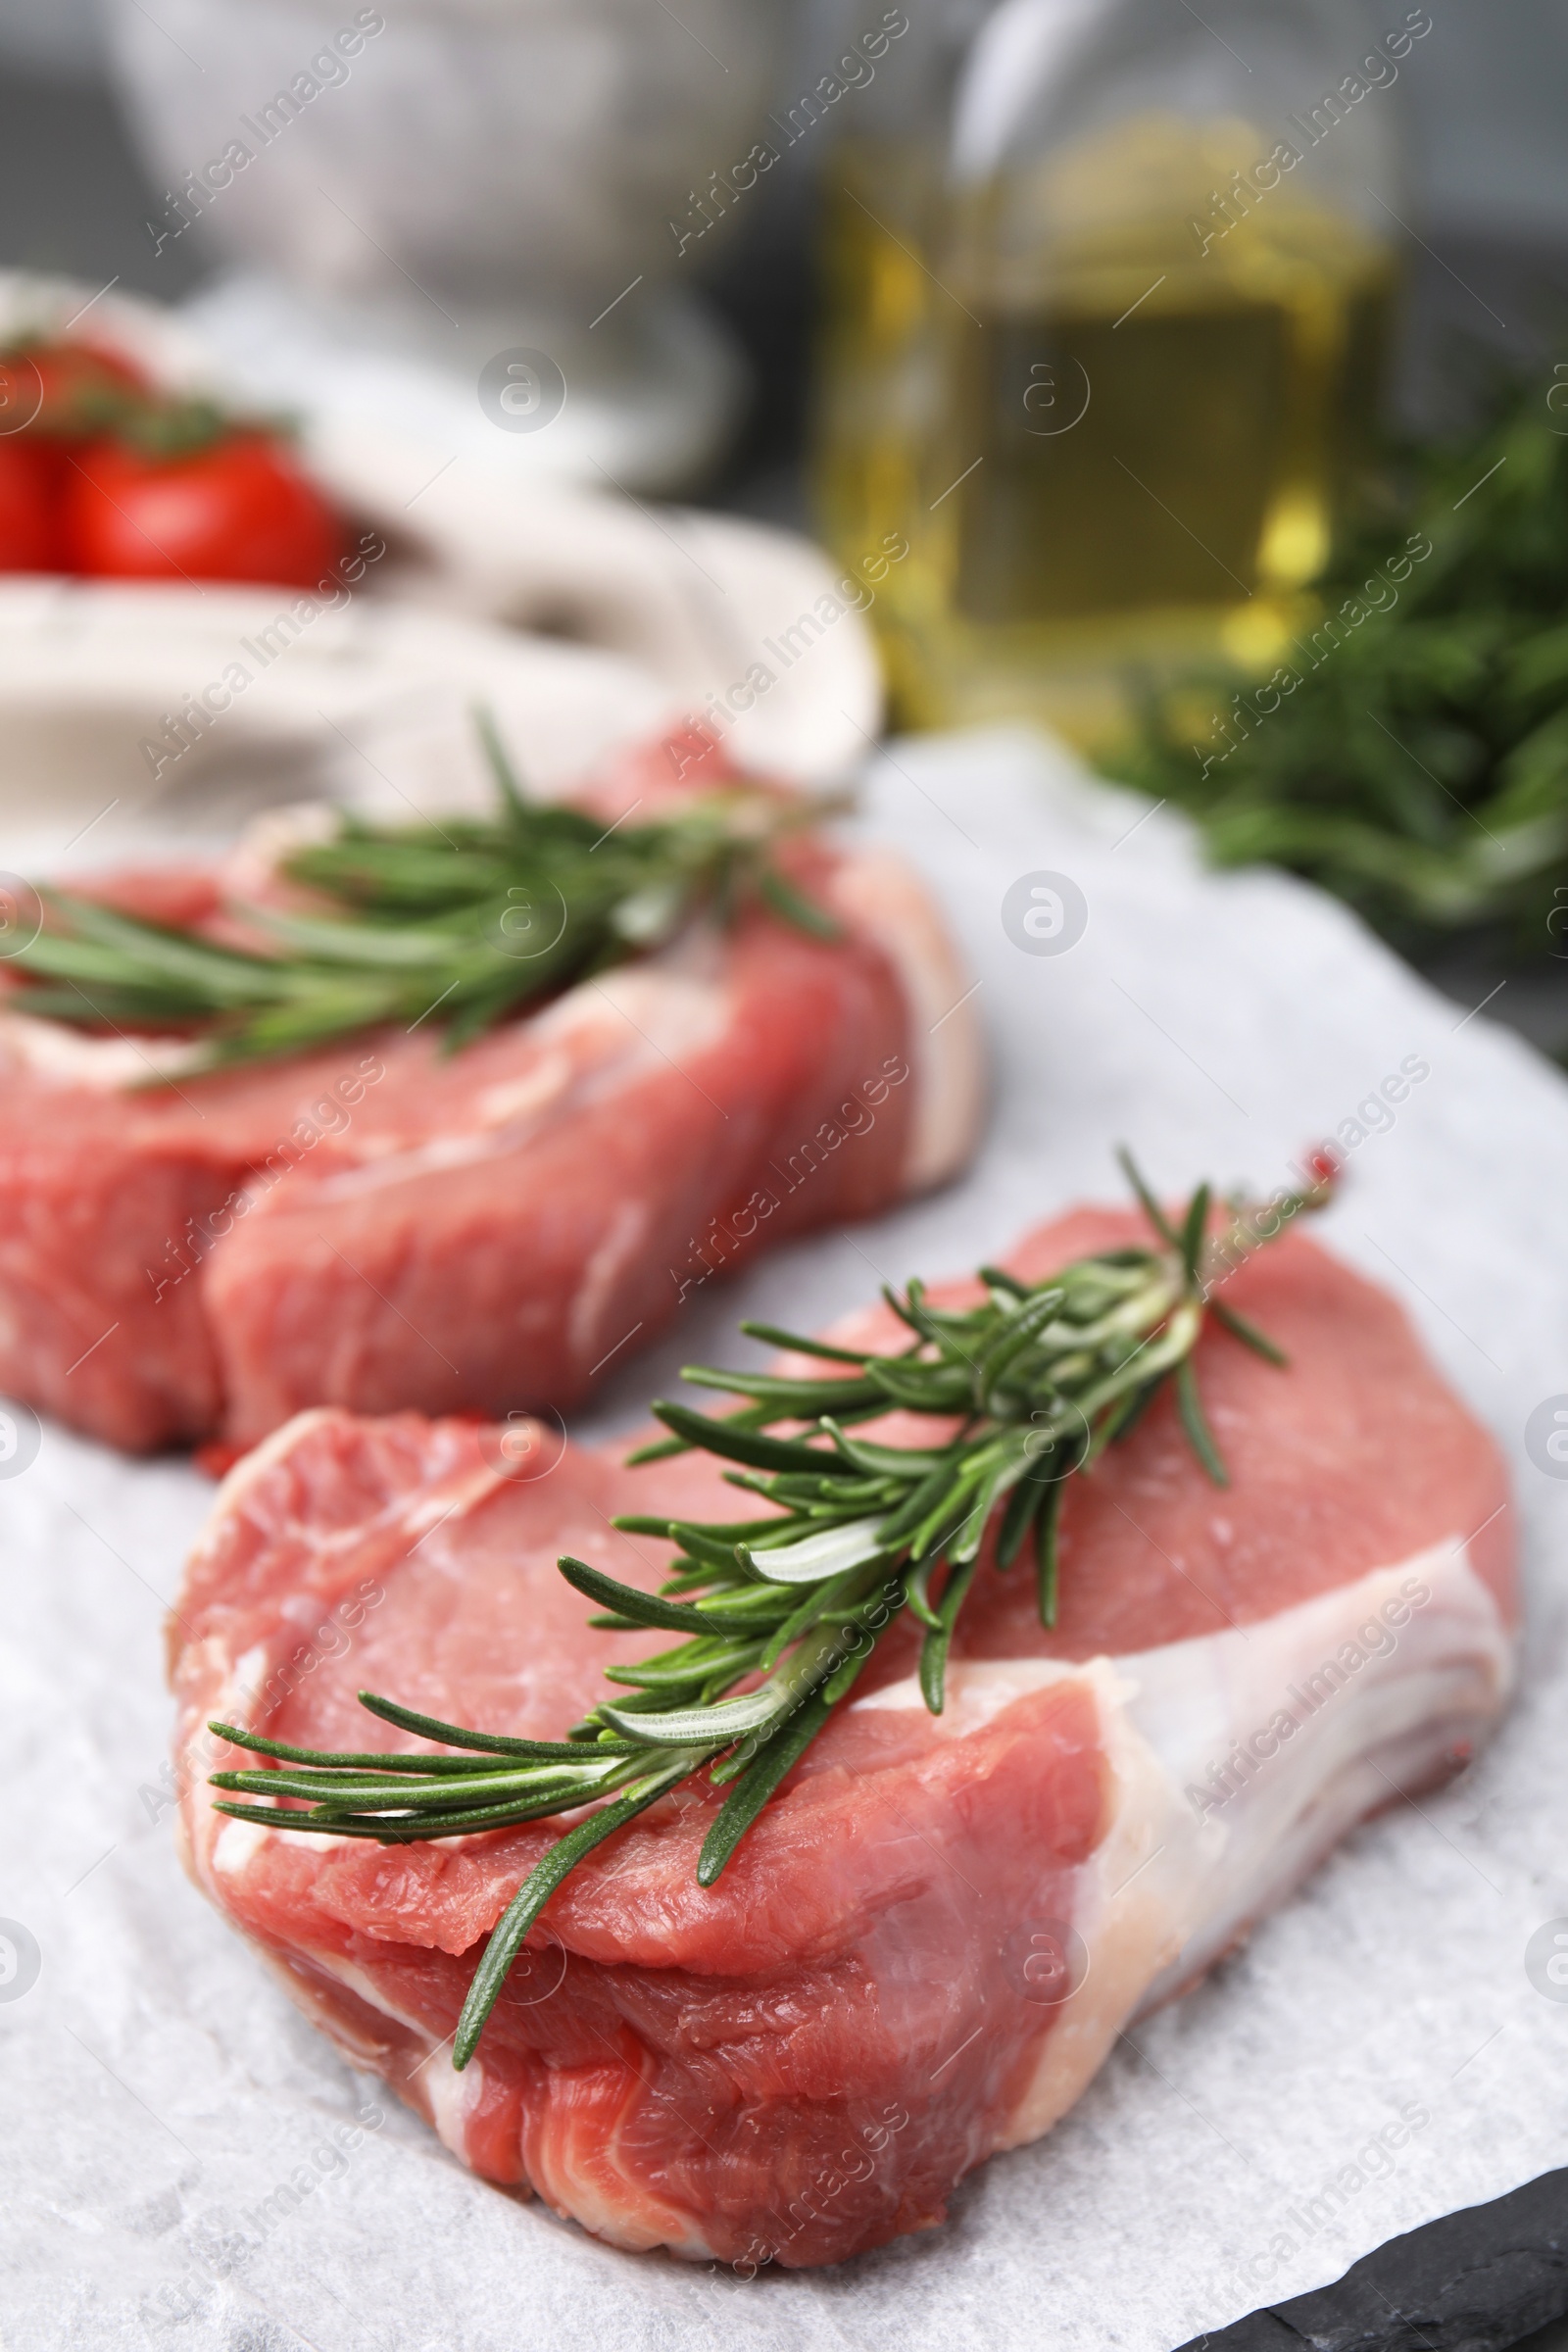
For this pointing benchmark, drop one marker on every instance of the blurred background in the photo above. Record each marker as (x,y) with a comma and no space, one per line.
(1095,339)
(1487,173)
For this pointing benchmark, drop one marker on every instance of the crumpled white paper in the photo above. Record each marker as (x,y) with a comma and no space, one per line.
(186,2163)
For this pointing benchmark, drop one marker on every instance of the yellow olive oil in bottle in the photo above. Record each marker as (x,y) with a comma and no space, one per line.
(1119,350)
(881,200)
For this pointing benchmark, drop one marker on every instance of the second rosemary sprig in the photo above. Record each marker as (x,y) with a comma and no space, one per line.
(460,924)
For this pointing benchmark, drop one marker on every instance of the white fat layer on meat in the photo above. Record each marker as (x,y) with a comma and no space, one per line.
(524,1098)
(887,900)
(248,1473)
(368,1988)
(449,2098)
(676,1013)
(608,1033)
(604,1270)
(577,2168)
(1219,1811)
(451,1498)
(238,1843)
(422,1509)
(453,2097)
(66,1057)
(575,2161)
(218,1844)
(254,866)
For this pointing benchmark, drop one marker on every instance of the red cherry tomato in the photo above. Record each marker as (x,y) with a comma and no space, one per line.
(30,521)
(81,385)
(57,393)
(237,508)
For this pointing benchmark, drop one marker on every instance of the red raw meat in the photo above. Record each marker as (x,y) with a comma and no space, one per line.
(886,1986)
(380,1224)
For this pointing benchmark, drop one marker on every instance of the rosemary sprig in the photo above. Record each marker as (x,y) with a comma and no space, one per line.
(1409,749)
(1024,1390)
(459,924)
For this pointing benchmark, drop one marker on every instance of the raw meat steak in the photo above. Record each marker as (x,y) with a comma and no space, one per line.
(380,1224)
(928,1942)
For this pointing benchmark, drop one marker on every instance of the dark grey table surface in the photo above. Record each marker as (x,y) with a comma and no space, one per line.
(73,199)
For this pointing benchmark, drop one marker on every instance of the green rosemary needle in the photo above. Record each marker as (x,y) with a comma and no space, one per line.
(460,924)
(1025,1388)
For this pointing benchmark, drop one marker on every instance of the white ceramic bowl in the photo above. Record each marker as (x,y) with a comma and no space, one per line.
(533,148)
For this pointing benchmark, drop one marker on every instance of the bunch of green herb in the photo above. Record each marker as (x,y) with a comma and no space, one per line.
(1410,751)
(1027,1389)
(460,923)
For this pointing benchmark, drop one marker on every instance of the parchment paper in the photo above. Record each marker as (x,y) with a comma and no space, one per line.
(160,2092)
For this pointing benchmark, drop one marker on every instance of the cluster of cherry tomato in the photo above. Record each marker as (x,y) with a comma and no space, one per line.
(104,476)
